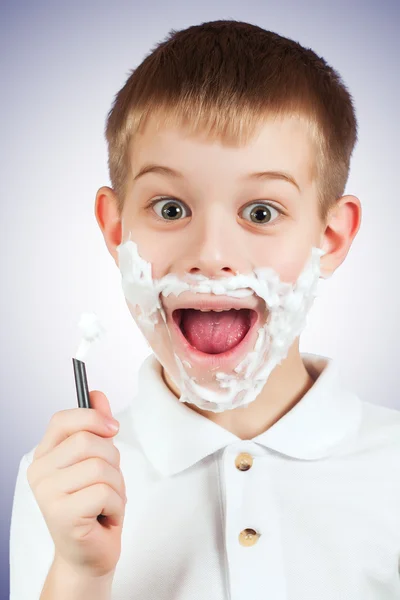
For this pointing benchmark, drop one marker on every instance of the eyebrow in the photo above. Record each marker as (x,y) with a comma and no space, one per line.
(167,171)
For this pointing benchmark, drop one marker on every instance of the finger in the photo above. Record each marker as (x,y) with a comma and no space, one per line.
(65,423)
(100,402)
(76,448)
(88,473)
(89,502)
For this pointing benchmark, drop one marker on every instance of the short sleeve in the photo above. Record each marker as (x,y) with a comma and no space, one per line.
(31,545)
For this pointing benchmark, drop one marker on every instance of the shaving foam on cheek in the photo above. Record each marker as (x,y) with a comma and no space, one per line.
(287,305)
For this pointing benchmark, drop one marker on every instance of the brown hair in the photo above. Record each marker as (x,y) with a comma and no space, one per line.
(224,78)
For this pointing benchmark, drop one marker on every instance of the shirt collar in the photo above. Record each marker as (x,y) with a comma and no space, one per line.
(174,437)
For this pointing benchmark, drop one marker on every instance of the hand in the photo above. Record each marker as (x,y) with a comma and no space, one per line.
(78,485)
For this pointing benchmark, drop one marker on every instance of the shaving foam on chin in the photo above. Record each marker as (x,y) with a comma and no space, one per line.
(287,305)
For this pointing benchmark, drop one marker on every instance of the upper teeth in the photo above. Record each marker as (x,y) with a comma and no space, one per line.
(215,309)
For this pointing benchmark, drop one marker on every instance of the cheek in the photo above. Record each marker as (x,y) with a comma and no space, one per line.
(288,258)
(290,267)
(151,249)
(289,252)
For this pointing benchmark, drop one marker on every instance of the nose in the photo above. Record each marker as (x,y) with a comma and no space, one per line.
(213,249)
(212,269)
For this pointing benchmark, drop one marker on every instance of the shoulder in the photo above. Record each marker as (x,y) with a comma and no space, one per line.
(380,425)
(381,415)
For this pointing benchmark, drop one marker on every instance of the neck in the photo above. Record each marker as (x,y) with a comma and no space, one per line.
(285,386)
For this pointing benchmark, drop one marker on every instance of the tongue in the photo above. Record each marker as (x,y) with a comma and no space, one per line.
(215,332)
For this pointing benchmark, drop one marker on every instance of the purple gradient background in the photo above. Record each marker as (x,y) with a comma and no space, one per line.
(62,64)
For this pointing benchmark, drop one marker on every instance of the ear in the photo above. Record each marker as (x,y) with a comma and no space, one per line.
(108,219)
(342,225)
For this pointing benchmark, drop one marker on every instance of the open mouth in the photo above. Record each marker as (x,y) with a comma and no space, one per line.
(214,332)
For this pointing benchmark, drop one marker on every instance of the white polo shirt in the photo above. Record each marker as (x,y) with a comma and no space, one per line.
(308,510)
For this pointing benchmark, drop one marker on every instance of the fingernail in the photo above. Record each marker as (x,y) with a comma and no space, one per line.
(112,424)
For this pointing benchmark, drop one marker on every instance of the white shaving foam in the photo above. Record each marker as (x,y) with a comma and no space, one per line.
(287,304)
(92,330)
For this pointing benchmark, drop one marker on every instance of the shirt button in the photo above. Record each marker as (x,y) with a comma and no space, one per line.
(244,461)
(248,537)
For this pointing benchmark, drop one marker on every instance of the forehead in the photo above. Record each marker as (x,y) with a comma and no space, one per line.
(281,144)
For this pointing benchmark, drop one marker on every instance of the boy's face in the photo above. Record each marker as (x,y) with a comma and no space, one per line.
(220,220)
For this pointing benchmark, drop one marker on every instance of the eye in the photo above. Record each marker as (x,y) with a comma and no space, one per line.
(172,211)
(263,212)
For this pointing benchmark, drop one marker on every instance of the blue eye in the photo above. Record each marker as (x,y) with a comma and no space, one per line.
(263,212)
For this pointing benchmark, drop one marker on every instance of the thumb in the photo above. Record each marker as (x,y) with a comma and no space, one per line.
(99,401)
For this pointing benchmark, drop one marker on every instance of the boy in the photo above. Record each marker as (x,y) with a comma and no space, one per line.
(293,493)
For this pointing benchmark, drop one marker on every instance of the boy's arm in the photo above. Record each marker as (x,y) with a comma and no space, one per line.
(31,545)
